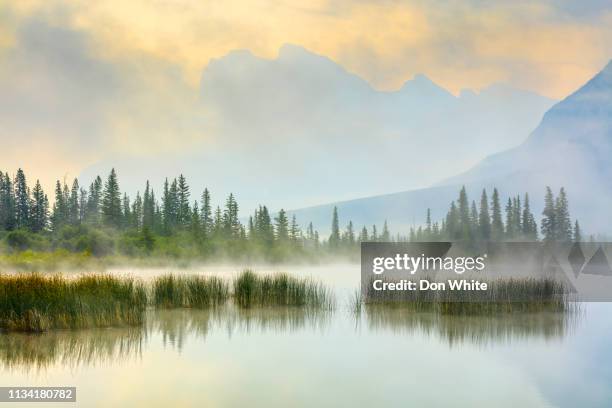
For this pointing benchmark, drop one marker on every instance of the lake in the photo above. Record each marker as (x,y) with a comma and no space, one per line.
(294,357)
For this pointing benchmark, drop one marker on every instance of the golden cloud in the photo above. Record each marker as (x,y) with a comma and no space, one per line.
(457,44)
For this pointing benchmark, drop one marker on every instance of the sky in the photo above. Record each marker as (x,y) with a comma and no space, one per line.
(83,80)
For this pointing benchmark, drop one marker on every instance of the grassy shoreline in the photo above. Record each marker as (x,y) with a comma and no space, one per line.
(509,295)
(33,302)
(36,303)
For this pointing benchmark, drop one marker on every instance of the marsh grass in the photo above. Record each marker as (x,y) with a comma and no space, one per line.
(36,303)
(502,296)
(250,289)
(170,291)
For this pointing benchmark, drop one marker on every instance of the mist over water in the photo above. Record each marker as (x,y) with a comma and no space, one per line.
(279,356)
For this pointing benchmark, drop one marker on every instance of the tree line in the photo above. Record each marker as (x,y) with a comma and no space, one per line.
(472,223)
(102,220)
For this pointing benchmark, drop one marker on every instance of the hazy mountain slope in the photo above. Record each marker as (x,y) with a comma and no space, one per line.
(300,130)
(571,147)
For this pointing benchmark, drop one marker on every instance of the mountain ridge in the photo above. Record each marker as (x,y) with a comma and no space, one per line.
(569,148)
(299,129)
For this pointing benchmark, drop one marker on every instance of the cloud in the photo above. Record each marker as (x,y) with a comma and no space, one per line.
(85,80)
(65,105)
(551,46)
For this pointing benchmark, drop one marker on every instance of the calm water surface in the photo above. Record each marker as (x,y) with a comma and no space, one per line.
(291,357)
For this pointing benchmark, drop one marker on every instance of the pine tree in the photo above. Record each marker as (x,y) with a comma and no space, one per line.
(310,232)
(206,214)
(195,224)
(158,218)
(294,230)
(563,224)
(82,204)
(374,236)
(548,226)
(183,210)
(264,230)
(251,227)
(464,215)
(60,208)
(2,210)
(73,204)
(7,203)
(126,221)
(334,237)
(148,207)
(137,212)
(497,225)
(94,201)
(516,215)
(435,232)
(173,214)
(168,207)
(428,223)
(474,218)
(484,218)
(22,201)
(385,236)
(510,233)
(453,230)
(111,201)
(530,229)
(349,235)
(231,222)
(218,224)
(282,226)
(577,232)
(39,215)
(363,236)
(419,234)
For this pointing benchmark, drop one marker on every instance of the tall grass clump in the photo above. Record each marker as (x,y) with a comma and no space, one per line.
(35,303)
(502,296)
(170,291)
(281,289)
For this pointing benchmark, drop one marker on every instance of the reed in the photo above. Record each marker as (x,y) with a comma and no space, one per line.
(170,291)
(281,289)
(502,296)
(35,303)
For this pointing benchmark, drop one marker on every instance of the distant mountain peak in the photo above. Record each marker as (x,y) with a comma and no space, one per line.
(420,79)
(289,50)
(420,85)
(302,58)
(590,106)
(570,147)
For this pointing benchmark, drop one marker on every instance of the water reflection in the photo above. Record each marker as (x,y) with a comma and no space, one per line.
(480,330)
(70,348)
(176,327)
